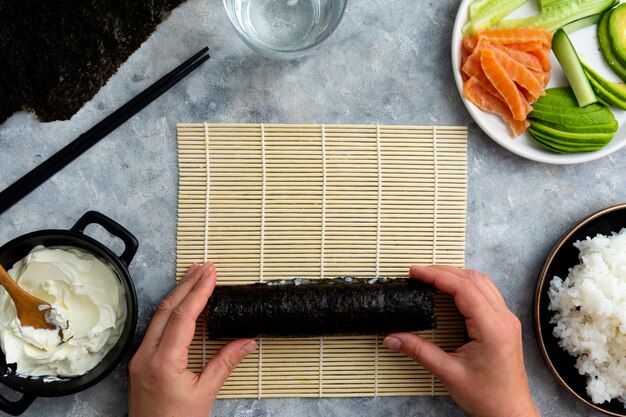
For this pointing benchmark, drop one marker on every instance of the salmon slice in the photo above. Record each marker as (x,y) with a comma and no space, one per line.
(526,46)
(519,35)
(543,55)
(528,60)
(504,84)
(472,68)
(486,101)
(469,43)
(520,74)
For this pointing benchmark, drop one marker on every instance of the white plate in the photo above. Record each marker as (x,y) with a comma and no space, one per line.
(586,43)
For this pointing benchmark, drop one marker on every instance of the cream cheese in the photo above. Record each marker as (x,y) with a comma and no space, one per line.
(88,304)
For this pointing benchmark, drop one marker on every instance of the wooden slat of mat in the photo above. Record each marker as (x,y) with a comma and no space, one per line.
(422,220)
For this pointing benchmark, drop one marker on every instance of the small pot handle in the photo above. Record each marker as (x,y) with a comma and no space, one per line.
(112,227)
(15,408)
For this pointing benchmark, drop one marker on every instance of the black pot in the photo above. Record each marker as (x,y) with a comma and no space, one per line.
(19,247)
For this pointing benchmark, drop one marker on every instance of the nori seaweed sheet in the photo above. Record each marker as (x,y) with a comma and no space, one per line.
(55,55)
(318,308)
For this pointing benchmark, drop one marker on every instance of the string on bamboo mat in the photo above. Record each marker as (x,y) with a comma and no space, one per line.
(270,202)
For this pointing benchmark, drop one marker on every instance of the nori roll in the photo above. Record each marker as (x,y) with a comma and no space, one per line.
(300,308)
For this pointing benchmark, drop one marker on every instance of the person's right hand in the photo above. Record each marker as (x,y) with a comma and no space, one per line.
(486,376)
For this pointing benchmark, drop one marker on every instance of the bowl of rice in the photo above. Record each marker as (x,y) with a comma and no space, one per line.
(580,311)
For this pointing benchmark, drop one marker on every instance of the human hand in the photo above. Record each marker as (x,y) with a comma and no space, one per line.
(486,376)
(159,383)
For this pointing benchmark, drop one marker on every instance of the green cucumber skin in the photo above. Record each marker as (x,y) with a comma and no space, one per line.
(606,48)
(568,58)
(606,95)
(560,14)
(582,23)
(616,90)
(617,32)
(490,15)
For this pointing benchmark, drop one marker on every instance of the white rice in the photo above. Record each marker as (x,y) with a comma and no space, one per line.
(590,317)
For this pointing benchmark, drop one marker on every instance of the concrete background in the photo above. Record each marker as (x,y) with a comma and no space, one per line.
(388,62)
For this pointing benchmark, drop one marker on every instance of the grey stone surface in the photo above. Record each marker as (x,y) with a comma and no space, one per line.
(388,62)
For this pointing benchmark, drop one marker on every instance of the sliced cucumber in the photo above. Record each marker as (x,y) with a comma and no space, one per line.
(607,50)
(568,58)
(617,32)
(560,14)
(489,14)
(582,23)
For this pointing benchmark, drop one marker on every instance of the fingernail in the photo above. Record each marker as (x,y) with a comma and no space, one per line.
(392,343)
(248,348)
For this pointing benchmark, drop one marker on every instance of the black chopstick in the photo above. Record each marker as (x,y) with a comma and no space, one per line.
(20,188)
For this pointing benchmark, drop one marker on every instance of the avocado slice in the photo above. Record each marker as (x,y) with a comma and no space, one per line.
(559,147)
(597,128)
(617,90)
(607,49)
(595,137)
(564,146)
(606,94)
(573,119)
(617,32)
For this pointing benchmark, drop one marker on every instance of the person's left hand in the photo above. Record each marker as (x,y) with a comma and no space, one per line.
(160,385)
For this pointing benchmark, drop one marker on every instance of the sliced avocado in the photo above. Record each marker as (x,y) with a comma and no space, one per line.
(607,50)
(567,56)
(561,146)
(599,137)
(617,32)
(618,90)
(598,117)
(547,143)
(607,95)
(598,128)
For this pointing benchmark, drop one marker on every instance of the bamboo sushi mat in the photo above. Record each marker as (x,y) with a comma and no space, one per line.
(268,202)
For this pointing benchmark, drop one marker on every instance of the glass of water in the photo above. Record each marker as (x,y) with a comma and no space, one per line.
(284,28)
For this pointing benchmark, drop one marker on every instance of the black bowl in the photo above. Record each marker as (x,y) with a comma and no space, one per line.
(19,247)
(565,256)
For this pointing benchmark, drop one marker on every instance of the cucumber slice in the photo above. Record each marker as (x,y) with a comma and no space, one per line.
(582,23)
(490,14)
(560,14)
(566,54)
(606,48)
(617,32)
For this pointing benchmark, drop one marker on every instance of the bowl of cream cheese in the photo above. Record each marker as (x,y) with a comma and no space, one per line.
(94,303)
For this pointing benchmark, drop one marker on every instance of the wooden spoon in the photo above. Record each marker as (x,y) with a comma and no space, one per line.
(27,305)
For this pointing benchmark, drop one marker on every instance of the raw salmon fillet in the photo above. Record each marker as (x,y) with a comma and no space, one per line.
(492,104)
(506,70)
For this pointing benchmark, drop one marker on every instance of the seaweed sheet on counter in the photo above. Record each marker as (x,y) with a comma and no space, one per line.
(56,55)
(273,202)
